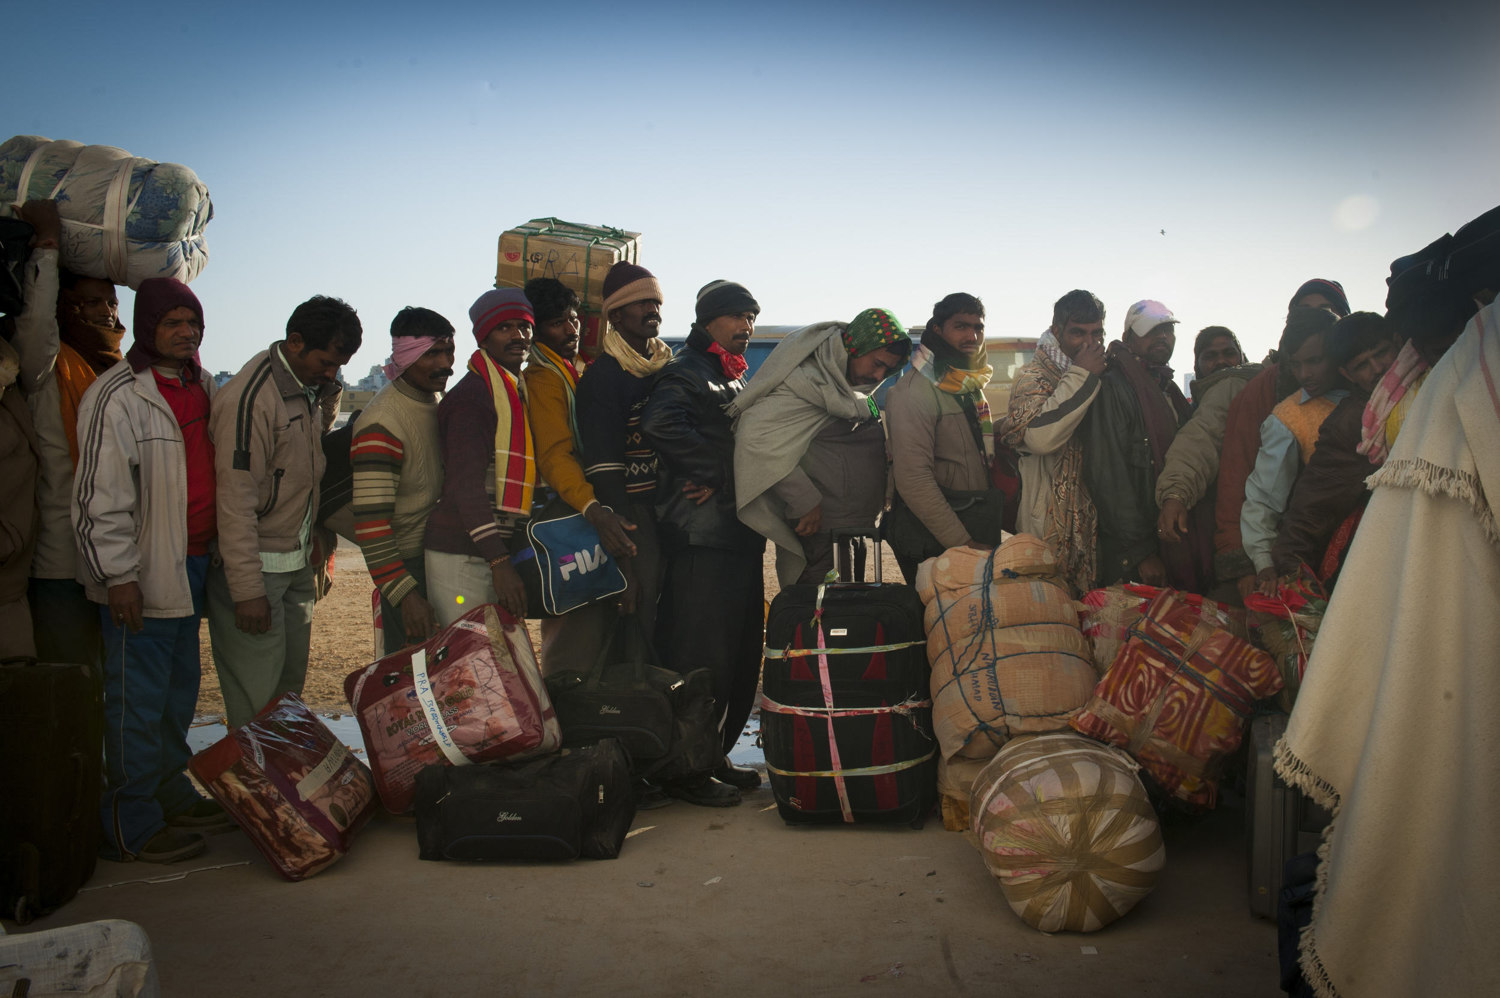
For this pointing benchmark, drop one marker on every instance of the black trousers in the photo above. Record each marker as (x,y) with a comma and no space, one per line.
(712,615)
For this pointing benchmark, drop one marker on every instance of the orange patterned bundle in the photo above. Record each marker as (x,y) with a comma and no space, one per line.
(1179,696)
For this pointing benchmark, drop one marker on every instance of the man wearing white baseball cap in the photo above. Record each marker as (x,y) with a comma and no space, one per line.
(1129,429)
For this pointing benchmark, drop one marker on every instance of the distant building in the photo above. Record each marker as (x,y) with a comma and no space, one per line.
(222,377)
(375,380)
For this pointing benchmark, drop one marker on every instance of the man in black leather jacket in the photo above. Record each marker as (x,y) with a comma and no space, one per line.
(711,609)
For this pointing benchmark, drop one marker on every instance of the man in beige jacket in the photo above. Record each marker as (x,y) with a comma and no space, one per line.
(267,426)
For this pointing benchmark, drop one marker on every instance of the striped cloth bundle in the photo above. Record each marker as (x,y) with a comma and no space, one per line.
(1065,826)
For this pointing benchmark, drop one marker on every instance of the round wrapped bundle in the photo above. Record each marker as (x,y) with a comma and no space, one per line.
(1004,645)
(1064,824)
(124,218)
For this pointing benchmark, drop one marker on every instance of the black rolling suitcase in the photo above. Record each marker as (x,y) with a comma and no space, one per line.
(51,753)
(845,709)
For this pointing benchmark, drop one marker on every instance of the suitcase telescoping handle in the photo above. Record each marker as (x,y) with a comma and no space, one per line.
(841,534)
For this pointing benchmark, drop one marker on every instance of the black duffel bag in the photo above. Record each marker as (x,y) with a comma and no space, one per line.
(580,802)
(667,721)
(981,511)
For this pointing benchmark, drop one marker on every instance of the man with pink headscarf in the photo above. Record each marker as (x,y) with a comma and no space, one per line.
(398,471)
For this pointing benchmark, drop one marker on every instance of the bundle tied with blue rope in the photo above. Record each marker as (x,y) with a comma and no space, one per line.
(1005,647)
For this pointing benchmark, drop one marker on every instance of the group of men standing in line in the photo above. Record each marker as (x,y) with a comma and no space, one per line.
(170,500)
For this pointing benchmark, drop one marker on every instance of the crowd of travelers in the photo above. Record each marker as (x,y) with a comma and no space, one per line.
(138,498)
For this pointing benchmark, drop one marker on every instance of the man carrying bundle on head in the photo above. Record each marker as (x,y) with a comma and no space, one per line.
(489,467)
(398,472)
(1048,403)
(551,376)
(809,450)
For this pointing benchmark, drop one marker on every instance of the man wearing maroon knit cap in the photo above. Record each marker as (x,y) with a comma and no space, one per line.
(489,462)
(144,457)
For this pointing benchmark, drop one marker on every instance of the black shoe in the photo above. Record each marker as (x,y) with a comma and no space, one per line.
(704,791)
(206,817)
(169,846)
(649,796)
(739,777)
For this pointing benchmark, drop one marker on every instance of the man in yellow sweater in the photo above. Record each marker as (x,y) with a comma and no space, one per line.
(572,641)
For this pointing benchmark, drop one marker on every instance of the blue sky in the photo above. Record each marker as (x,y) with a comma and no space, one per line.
(831,157)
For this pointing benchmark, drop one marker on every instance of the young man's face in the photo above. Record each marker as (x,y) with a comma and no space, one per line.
(1217,354)
(1075,335)
(640,320)
(93,300)
(314,366)
(1316,300)
(431,371)
(507,344)
(1366,369)
(178,334)
(963,332)
(732,332)
(560,335)
(1311,368)
(1156,344)
(874,367)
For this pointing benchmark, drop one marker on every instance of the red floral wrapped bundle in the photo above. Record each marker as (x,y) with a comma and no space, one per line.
(1179,696)
(1296,613)
(292,786)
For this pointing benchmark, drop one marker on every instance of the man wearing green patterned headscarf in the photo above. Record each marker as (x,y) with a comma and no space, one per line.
(809,449)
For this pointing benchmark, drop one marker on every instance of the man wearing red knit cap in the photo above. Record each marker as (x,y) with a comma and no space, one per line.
(489,462)
(144,457)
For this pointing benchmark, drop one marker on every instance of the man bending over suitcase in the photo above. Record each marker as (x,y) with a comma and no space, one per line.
(144,457)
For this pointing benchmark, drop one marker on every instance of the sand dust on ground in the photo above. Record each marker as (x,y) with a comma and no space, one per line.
(343,639)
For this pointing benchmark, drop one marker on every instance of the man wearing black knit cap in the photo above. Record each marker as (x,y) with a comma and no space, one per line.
(710,613)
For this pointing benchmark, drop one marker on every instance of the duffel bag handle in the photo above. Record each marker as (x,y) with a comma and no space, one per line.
(629,638)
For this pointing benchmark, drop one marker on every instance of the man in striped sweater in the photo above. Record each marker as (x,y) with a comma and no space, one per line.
(398,471)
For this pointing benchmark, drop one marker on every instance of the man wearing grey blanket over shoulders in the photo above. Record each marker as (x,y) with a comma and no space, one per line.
(809,448)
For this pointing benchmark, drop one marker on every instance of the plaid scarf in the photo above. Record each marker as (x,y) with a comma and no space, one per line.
(515,455)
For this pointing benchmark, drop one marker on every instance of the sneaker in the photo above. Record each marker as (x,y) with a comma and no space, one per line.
(170,845)
(739,777)
(206,816)
(704,791)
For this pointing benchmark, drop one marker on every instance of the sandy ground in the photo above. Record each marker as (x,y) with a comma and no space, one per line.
(343,638)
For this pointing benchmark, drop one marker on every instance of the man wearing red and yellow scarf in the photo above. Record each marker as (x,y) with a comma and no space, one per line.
(489,462)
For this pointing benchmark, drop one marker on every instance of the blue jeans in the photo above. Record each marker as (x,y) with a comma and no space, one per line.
(150,692)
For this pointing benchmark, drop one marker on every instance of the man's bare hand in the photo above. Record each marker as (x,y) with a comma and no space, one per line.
(810,522)
(1091,357)
(1265,582)
(43,217)
(1246,585)
(612,529)
(510,591)
(1172,522)
(417,618)
(1152,572)
(700,494)
(253,616)
(126,605)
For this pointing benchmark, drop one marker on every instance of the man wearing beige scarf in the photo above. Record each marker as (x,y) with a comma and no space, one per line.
(619,464)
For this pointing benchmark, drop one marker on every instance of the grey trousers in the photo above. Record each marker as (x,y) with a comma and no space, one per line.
(574,640)
(255,669)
